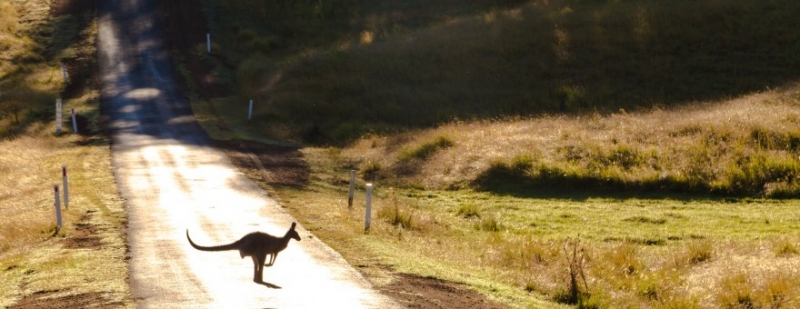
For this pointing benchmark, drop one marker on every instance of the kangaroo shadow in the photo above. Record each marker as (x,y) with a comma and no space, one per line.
(269,285)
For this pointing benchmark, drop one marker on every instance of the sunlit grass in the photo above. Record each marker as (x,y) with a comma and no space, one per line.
(634,262)
(708,148)
(667,252)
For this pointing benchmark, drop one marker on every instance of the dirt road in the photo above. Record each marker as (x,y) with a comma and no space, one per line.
(174,181)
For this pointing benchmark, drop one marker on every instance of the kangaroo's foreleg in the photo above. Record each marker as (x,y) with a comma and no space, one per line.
(272,258)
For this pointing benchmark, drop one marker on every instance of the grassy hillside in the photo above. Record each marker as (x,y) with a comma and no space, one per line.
(554,153)
(331,77)
(375,71)
(81,265)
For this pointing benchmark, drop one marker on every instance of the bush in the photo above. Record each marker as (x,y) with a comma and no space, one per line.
(469,211)
(426,150)
(488,224)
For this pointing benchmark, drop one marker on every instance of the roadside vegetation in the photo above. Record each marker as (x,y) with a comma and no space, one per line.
(81,265)
(598,154)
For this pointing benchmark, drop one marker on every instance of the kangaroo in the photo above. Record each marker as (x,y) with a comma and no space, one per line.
(258,246)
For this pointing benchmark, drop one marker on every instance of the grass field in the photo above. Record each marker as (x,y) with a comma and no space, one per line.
(618,154)
(83,263)
(607,154)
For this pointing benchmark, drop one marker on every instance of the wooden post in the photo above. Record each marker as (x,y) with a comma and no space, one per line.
(208,42)
(58,116)
(58,209)
(66,186)
(368,215)
(250,110)
(64,72)
(74,123)
(352,188)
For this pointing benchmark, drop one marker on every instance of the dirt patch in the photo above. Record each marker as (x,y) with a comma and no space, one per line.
(419,292)
(44,299)
(84,237)
(273,165)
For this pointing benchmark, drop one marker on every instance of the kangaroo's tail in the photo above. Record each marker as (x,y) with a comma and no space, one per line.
(231,246)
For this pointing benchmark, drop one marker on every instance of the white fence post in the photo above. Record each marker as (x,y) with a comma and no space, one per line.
(65,185)
(250,110)
(64,72)
(58,209)
(368,215)
(208,42)
(74,123)
(58,116)
(352,188)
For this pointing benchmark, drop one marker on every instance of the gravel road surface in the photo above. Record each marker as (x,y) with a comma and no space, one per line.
(174,181)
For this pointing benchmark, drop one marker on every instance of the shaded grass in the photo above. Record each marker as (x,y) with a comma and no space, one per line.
(540,58)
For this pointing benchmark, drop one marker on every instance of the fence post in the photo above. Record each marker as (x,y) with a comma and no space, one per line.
(65,185)
(368,215)
(58,116)
(58,209)
(208,42)
(250,110)
(352,188)
(64,72)
(74,123)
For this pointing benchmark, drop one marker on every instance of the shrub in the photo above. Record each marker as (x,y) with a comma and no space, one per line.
(426,150)
(488,224)
(371,170)
(785,247)
(469,211)
(577,290)
(699,251)
(396,214)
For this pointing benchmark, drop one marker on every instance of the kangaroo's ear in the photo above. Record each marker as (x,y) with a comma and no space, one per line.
(293,225)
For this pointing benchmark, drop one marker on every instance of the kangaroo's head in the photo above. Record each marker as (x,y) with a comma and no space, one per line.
(291,233)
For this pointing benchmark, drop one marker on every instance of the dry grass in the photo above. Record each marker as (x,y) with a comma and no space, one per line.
(35,259)
(634,149)
(31,254)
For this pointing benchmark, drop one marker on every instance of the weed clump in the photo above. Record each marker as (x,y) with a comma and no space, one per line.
(488,224)
(577,291)
(426,150)
(469,211)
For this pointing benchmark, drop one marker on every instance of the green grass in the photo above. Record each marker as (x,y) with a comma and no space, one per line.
(642,252)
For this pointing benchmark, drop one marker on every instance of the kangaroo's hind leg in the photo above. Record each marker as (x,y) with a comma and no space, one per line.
(258,269)
(259,272)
